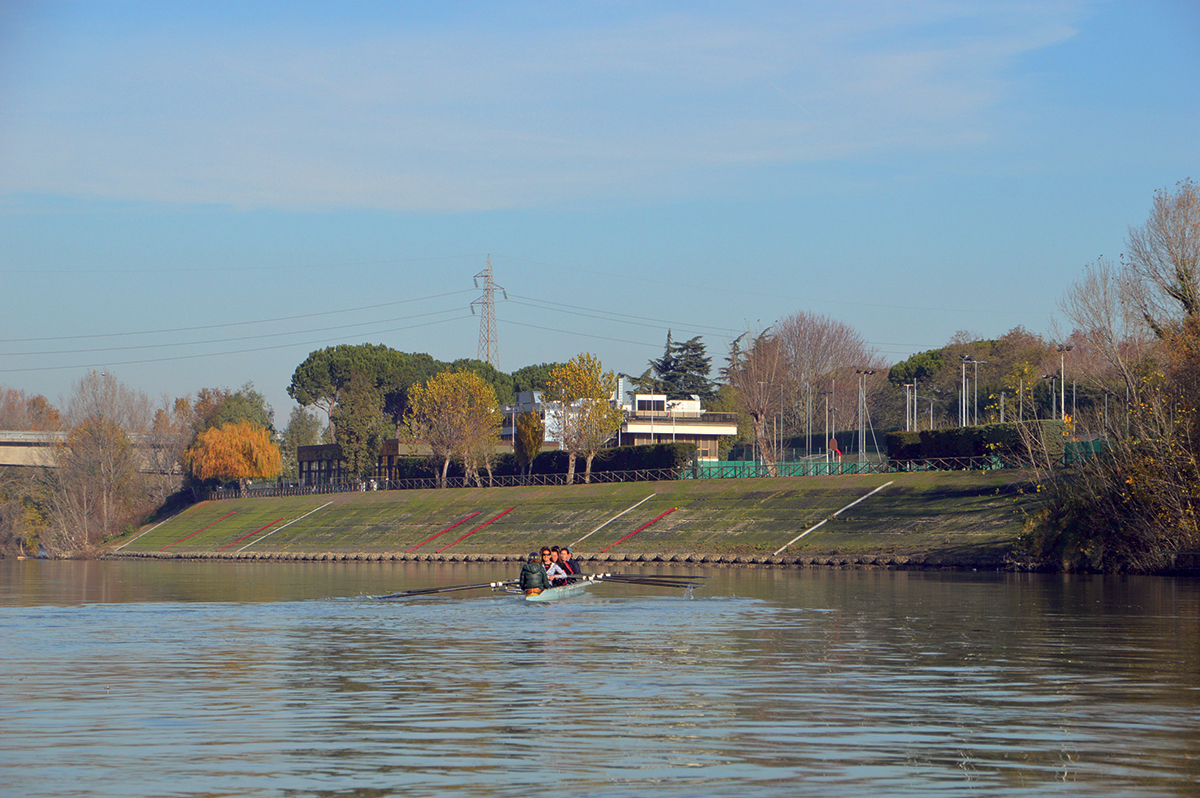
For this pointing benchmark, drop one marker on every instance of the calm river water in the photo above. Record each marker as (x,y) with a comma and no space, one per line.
(285,679)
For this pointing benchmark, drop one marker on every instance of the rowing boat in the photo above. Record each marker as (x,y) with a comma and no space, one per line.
(561,592)
(576,588)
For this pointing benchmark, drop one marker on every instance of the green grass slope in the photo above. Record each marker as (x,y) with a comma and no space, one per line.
(961,517)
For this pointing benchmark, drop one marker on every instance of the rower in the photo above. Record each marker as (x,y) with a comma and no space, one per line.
(553,570)
(533,575)
(569,565)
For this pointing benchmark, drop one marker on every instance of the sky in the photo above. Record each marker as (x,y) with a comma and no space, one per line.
(199,195)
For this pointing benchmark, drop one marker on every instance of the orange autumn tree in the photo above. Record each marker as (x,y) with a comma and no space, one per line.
(238,450)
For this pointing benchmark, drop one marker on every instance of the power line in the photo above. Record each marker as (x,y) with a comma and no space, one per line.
(233,323)
(209,269)
(227,340)
(214,354)
(725,290)
(632,318)
(579,334)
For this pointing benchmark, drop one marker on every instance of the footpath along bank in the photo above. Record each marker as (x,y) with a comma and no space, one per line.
(944,519)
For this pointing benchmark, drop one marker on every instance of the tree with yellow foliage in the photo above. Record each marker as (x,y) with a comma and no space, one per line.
(580,395)
(238,450)
(529,431)
(456,413)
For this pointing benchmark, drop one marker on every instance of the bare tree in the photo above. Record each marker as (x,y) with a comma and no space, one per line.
(818,353)
(99,484)
(757,374)
(165,443)
(1164,257)
(1106,309)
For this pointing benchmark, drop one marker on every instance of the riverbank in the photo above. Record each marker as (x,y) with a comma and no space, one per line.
(923,520)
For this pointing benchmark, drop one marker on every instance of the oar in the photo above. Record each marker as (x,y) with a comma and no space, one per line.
(448,589)
(656,581)
(652,583)
(652,576)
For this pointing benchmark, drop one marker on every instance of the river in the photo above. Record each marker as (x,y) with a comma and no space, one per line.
(133,678)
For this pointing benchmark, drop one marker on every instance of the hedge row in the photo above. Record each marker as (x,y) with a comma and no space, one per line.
(1002,439)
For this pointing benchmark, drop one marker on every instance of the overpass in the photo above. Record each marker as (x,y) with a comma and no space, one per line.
(32,449)
(37,449)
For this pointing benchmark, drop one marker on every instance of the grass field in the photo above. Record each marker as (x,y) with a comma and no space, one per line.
(955,518)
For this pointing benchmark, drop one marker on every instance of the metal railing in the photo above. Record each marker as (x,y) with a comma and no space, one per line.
(737,470)
(708,417)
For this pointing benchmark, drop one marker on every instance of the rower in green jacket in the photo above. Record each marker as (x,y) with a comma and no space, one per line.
(533,575)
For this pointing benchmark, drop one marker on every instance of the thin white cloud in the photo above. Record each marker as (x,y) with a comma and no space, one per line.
(461,119)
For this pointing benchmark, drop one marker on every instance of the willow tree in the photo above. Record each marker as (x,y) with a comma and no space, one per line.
(453,412)
(580,395)
(238,450)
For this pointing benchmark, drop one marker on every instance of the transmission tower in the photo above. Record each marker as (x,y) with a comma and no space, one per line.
(488,347)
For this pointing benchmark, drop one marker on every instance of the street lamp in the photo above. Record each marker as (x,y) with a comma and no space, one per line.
(762,408)
(1053,398)
(963,418)
(932,401)
(1062,370)
(862,408)
(977,362)
(826,394)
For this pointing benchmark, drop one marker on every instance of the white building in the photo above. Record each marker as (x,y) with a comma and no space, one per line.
(649,418)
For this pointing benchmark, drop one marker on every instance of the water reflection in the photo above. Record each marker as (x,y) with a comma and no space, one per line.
(275,679)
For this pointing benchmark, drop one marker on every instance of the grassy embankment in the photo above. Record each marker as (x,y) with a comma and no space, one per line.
(931,519)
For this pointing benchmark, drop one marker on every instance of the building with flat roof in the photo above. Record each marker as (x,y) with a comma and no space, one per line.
(649,418)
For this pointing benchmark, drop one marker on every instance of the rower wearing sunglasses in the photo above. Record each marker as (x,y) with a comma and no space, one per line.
(554,570)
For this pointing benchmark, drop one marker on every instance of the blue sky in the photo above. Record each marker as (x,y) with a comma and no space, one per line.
(199,195)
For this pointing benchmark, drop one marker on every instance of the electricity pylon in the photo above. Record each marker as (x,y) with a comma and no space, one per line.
(489,350)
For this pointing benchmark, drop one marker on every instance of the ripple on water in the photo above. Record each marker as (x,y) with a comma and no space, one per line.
(857,687)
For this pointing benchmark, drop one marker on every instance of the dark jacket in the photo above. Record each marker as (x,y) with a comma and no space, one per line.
(533,575)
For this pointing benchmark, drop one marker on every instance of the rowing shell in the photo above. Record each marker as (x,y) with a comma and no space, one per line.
(561,592)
